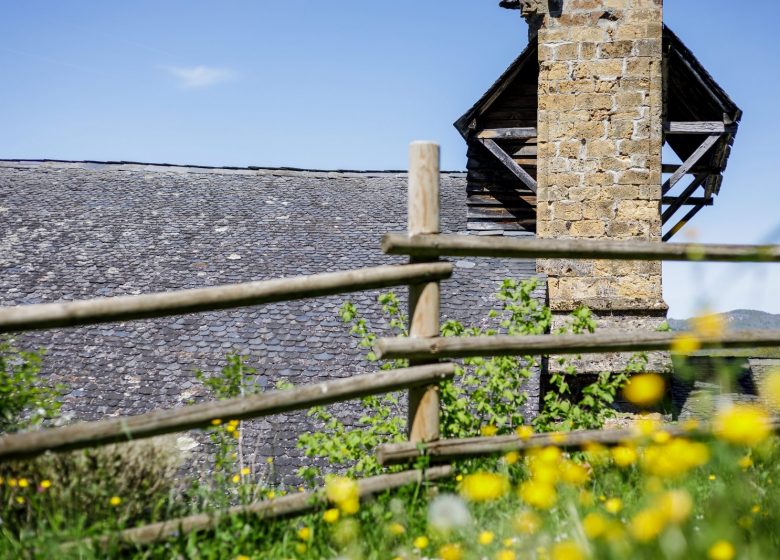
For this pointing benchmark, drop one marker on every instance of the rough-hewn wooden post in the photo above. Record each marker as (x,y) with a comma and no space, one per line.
(423,297)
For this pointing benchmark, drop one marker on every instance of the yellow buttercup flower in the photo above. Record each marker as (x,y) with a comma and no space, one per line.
(624,455)
(330,515)
(115,500)
(451,551)
(527,522)
(574,474)
(676,505)
(242,557)
(230,428)
(488,431)
(645,389)
(646,426)
(743,424)
(421,542)
(685,344)
(512,457)
(538,494)
(245,471)
(613,505)
(216,422)
(721,550)
(344,492)
(484,486)
(23,483)
(506,554)
(20,500)
(236,478)
(300,548)
(745,462)
(45,484)
(647,524)
(396,529)
(524,432)
(662,437)
(304,533)
(567,550)
(594,525)
(486,537)
(674,458)
(558,437)
(711,325)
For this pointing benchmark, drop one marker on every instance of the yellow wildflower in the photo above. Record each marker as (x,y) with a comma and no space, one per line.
(245,471)
(574,474)
(216,422)
(594,525)
(596,453)
(486,537)
(270,494)
(230,428)
(2,480)
(685,344)
(421,542)
(527,523)
(242,557)
(512,457)
(538,494)
(712,477)
(508,542)
(711,325)
(662,437)
(690,425)
(234,423)
(20,499)
(645,389)
(770,389)
(236,478)
(330,515)
(613,505)
(745,462)
(12,482)
(506,554)
(343,492)
(304,533)
(755,509)
(115,501)
(524,432)
(488,431)
(647,524)
(236,434)
(451,551)
(624,455)
(484,486)
(300,548)
(396,529)
(743,424)
(721,550)
(269,460)
(646,426)
(301,489)
(567,550)
(23,483)
(45,484)
(459,477)
(674,458)
(676,505)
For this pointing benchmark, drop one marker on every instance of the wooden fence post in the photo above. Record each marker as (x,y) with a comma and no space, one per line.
(423,297)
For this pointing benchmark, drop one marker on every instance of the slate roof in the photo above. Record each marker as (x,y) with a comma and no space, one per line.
(71,230)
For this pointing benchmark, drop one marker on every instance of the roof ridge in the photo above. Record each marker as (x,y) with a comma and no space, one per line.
(145,166)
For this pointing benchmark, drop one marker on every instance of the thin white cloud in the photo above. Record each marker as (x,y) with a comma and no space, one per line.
(199,77)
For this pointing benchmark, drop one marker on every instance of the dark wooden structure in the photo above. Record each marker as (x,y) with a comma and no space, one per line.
(500,131)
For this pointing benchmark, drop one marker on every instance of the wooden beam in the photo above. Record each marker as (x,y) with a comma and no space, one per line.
(509,163)
(474,246)
(424,297)
(165,304)
(699,127)
(507,133)
(681,224)
(90,434)
(546,344)
(692,201)
(683,198)
(462,448)
(695,170)
(283,506)
(690,162)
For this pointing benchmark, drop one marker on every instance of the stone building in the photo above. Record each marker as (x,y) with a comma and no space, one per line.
(567,143)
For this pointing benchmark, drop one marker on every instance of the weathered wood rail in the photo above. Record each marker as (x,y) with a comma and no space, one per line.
(90,434)
(424,348)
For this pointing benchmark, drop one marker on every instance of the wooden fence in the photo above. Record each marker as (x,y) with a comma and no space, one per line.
(424,348)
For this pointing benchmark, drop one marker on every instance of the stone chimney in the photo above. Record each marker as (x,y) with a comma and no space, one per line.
(600,134)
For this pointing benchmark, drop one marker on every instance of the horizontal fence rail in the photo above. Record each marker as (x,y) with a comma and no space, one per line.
(533,345)
(293,504)
(451,449)
(124,308)
(476,246)
(90,434)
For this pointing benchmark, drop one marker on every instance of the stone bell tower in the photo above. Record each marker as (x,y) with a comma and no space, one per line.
(600,95)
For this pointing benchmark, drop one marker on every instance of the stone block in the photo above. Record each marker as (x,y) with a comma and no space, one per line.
(598,69)
(593,101)
(565,210)
(615,49)
(588,228)
(600,147)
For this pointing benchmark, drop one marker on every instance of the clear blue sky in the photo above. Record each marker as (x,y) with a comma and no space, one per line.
(347,84)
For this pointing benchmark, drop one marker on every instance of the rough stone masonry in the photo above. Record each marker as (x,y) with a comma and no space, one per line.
(600,137)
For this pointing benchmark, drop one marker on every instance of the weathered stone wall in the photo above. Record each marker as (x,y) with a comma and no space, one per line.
(600,137)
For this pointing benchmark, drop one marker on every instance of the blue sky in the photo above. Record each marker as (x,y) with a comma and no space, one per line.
(347,84)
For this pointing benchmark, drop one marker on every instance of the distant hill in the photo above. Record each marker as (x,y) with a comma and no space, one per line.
(738,320)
